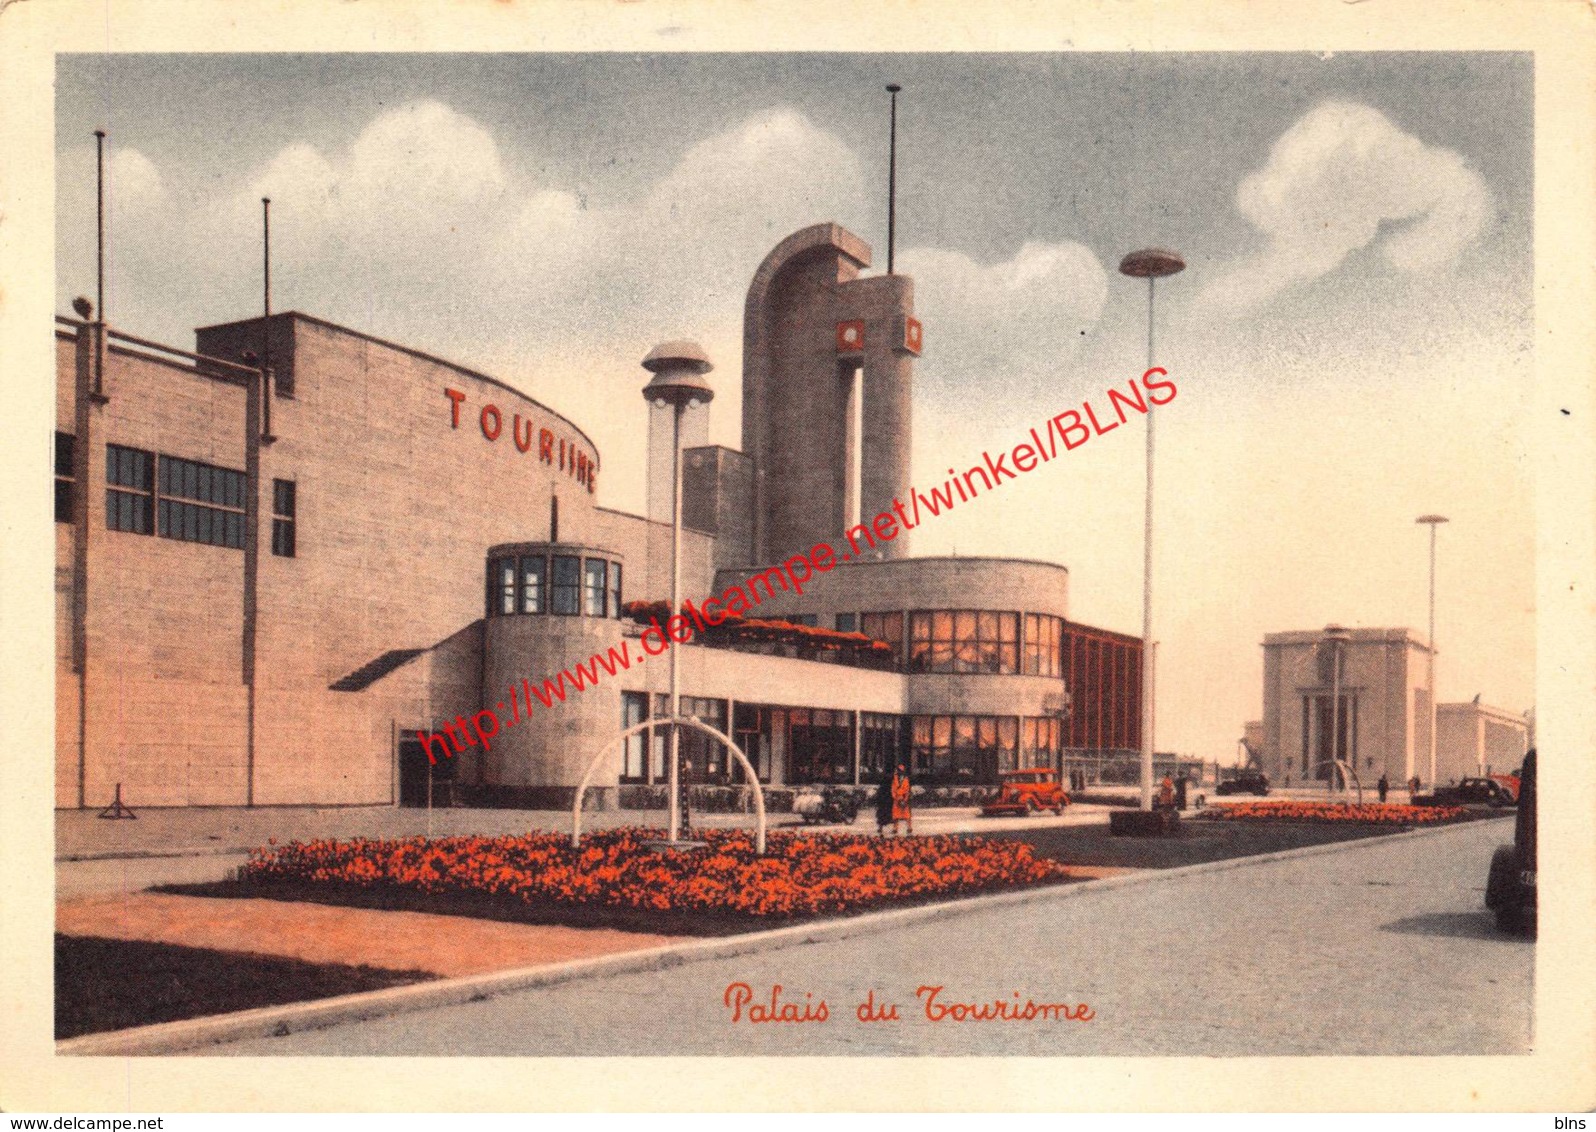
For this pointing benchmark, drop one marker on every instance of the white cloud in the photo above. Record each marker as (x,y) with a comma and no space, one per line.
(134,178)
(1010,325)
(1331,182)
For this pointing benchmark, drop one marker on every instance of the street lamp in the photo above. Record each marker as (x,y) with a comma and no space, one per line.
(1336,637)
(1150,264)
(678,368)
(1432,521)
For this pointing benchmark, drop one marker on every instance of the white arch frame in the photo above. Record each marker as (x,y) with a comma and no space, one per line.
(1348,773)
(684,721)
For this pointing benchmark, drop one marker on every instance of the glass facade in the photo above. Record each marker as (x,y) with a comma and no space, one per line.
(964,641)
(963,750)
(1043,639)
(567,584)
(887,627)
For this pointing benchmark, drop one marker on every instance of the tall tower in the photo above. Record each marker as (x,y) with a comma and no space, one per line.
(827,366)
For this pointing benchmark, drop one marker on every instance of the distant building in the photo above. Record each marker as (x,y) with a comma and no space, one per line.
(1382,723)
(1475,738)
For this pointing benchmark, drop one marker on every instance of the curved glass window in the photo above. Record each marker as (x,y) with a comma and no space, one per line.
(964,640)
(569,584)
(963,749)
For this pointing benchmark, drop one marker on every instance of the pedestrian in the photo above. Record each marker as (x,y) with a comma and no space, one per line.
(1166,794)
(901,791)
(1180,793)
(1384,787)
(1413,787)
(884,805)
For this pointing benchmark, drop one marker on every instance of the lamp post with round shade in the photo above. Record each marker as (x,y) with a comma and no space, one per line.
(1150,264)
(1432,521)
(678,368)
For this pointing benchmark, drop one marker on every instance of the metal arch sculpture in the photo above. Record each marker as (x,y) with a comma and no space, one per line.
(684,721)
(1348,773)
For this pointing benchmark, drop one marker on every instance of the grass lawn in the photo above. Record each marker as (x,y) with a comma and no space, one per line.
(111,984)
(1197,842)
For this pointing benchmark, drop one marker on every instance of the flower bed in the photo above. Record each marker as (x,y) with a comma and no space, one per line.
(1388,813)
(799,876)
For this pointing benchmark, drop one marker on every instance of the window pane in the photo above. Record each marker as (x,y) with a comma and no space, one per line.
(66,445)
(593,589)
(504,583)
(920,626)
(532,587)
(283,498)
(1008,626)
(566,591)
(987,625)
(847,622)
(615,589)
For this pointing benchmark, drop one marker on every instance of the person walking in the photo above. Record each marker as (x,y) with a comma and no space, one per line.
(1166,794)
(1384,787)
(1180,793)
(1413,787)
(884,804)
(901,791)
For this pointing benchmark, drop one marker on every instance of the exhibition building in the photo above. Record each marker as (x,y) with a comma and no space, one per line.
(285,554)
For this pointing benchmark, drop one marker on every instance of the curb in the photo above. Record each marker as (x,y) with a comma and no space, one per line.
(154,854)
(279,1021)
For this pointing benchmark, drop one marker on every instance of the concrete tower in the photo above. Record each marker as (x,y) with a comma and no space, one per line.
(827,365)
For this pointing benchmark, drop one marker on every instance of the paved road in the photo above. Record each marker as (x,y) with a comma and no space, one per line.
(1379,948)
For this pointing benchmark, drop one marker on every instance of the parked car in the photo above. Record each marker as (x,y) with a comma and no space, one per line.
(1510,886)
(1245,782)
(1028,791)
(1472,790)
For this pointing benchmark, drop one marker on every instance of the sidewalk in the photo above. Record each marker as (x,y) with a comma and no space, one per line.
(80,835)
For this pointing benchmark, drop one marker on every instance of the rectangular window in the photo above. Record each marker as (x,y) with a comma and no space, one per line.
(847,622)
(615,590)
(808,619)
(634,710)
(283,511)
(65,475)
(533,568)
(565,595)
(594,585)
(886,627)
(200,503)
(129,490)
(504,583)
(1043,640)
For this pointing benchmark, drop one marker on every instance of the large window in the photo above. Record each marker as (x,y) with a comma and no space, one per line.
(614,607)
(966,750)
(963,640)
(879,738)
(752,726)
(1043,635)
(821,745)
(565,595)
(284,508)
(129,490)
(886,627)
(533,584)
(594,578)
(200,503)
(634,764)
(1041,741)
(65,475)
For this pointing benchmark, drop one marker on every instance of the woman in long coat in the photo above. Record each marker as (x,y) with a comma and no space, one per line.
(901,791)
(884,804)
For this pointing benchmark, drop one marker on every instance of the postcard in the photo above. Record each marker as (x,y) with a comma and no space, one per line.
(1034,559)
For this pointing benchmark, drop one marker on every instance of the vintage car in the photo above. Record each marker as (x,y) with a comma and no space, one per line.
(1028,791)
(1510,889)
(1245,782)
(1473,790)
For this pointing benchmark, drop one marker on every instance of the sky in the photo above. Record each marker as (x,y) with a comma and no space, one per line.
(1352,337)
